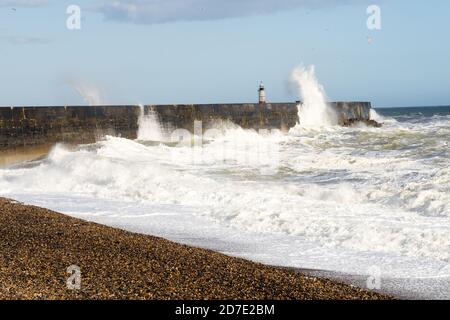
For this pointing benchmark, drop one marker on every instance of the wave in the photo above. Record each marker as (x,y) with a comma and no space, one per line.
(366,191)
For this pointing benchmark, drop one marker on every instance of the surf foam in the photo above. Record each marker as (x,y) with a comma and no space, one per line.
(340,200)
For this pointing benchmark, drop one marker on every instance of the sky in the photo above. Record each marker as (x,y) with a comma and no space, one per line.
(213,51)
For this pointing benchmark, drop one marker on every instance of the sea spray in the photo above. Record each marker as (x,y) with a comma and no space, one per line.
(376,116)
(385,120)
(89,93)
(150,128)
(314,111)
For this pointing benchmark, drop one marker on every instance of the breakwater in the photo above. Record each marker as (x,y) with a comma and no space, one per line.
(32,126)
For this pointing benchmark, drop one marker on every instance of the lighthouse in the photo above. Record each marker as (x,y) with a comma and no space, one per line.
(262,94)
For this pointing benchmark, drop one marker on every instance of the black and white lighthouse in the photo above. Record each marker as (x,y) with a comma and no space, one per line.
(262,94)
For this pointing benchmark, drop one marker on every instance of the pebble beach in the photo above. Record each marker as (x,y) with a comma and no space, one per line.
(37,246)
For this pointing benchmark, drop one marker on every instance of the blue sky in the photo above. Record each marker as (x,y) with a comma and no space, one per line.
(204,51)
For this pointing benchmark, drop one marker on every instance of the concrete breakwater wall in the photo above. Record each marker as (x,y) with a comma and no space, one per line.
(32,126)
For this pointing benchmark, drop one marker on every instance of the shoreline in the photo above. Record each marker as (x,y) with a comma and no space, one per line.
(38,245)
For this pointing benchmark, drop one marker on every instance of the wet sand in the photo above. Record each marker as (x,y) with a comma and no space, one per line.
(37,246)
(17,155)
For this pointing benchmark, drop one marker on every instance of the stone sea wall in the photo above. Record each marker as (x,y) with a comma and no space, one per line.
(31,126)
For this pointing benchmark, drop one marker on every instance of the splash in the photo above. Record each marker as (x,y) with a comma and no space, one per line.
(89,93)
(314,110)
(374,115)
(150,128)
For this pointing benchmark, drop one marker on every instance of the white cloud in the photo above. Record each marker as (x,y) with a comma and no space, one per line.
(162,11)
(22,3)
(21,40)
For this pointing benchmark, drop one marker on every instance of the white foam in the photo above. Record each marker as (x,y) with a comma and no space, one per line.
(346,197)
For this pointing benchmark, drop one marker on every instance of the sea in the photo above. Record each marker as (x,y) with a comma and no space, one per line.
(365,205)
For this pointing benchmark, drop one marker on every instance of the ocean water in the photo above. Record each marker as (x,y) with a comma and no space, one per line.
(371,202)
